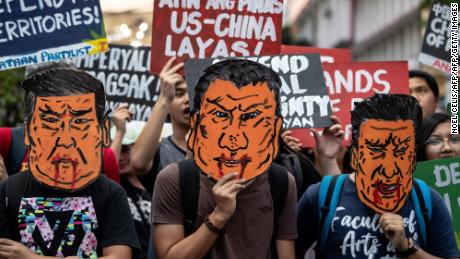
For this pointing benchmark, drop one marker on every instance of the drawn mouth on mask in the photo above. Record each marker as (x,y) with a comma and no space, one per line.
(232,162)
(64,161)
(387,189)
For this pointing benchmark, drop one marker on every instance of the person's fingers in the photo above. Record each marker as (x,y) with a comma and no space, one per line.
(286,133)
(228,184)
(339,134)
(6,242)
(335,119)
(315,134)
(168,65)
(176,68)
(235,188)
(176,78)
(334,128)
(291,138)
(173,79)
(5,254)
(226,178)
(296,148)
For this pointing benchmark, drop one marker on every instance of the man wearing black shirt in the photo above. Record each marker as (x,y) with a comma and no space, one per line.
(63,206)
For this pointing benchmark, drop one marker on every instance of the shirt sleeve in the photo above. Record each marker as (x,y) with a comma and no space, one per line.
(307,220)
(4,226)
(286,222)
(167,205)
(441,241)
(117,226)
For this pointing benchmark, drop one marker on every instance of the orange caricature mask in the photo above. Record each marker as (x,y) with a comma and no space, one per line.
(235,130)
(65,141)
(384,161)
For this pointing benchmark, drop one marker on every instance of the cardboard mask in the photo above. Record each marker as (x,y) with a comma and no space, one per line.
(384,161)
(235,130)
(65,141)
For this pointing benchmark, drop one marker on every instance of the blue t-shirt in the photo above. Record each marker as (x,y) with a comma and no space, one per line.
(354,231)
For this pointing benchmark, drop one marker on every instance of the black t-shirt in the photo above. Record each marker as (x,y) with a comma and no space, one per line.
(57,223)
(139,201)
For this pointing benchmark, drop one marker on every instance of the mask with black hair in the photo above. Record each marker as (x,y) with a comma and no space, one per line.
(383,153)
(65,127)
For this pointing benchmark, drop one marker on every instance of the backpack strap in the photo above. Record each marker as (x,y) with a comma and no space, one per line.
(292,163)
(421,200)
(189,180)
(17,151)
(330,191)
(279,187)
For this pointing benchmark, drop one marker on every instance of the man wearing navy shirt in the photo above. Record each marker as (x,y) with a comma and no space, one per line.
(375,216)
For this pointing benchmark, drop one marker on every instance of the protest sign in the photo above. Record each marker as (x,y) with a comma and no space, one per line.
(436,43)
(327,55)
(39,31)
(214,28)
(124,71)
(303,94)
(443,175)
(349,83)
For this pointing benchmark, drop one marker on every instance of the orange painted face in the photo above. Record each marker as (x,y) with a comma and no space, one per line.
(237,130)
(65,141)
(384,163)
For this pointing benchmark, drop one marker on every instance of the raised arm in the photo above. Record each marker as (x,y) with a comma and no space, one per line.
(328,145)
(120,116)
(147,144)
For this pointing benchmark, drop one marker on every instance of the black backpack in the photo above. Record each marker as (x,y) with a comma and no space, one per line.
(190,190)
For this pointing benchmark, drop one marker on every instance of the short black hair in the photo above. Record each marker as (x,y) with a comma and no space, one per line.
(389,107)
(429,79)
(241,73)
(428,126)
(62,82)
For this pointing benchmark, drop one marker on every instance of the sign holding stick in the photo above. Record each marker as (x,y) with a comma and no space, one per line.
(304,99)
(124,71)
(436,44)
(348,83)
(210,29)
(44,31)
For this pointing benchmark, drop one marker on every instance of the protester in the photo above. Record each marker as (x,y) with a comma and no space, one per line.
(124,134)
(424,88)
(374,218)
(231,213)
(437,141)
(12,147)
(62,206)
(328,147)
(149,156)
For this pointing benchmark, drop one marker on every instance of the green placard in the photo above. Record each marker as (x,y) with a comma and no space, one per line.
(443,175)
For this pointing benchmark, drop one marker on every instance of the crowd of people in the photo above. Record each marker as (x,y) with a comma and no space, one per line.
(74,187)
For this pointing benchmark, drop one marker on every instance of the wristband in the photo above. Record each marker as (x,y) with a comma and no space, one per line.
(411,249)
(211,227)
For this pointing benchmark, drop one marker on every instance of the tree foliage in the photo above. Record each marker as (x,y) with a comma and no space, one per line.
(11,98)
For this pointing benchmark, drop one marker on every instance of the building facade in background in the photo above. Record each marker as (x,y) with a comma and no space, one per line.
(373,30)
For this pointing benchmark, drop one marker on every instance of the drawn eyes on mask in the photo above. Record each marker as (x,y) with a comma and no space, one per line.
(378,151)
(243,117)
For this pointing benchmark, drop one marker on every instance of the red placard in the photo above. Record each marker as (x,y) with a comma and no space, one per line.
(348,83)
(211,29)
(327,55)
